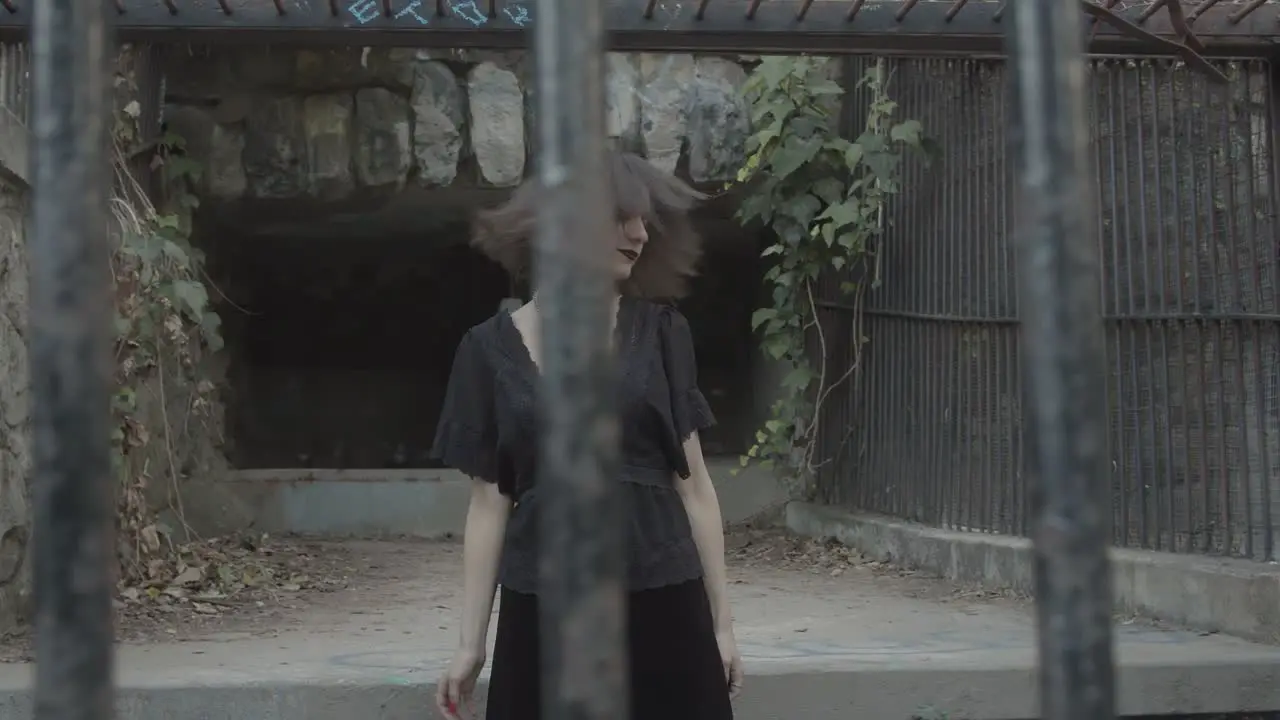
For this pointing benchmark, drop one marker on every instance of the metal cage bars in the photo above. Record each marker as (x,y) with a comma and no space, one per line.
(1064,375)
(582,562)
(818,26)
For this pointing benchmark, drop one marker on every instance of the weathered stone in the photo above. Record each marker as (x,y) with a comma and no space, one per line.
(196,72)
(515,60)
(258,67)
(327,122)
(205,72)
(383,154)
(622,101)
(15,406)
(217,147)
(718,118)
(275,149)
(439,118)
(413,115)
(15,295)
(664,82)
(354,67)
(497,124)
(225,178)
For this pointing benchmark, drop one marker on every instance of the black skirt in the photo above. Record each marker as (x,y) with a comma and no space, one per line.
(676,672)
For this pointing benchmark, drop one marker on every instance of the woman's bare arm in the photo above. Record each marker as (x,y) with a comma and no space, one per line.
(703,507)
(481,549)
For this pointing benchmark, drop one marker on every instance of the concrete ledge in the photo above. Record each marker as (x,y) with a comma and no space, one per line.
(1237,597)
(394,503)
(865,692)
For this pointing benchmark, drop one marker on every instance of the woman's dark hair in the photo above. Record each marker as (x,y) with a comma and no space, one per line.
(639,189)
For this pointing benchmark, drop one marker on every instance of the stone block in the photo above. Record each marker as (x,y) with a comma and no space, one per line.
(327,123)
(664,83)
(275,150)
(718,120)
(383,153)
(497,124)
(439,122)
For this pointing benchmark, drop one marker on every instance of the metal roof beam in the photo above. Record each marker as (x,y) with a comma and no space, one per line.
(833,27)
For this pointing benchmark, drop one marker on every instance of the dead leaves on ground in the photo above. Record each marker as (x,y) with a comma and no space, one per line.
(220,575)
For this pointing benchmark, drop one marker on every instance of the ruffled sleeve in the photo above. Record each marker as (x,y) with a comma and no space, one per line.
(690,411)
(466,434)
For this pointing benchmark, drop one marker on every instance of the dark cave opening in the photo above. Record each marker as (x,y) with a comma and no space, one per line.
(339,349)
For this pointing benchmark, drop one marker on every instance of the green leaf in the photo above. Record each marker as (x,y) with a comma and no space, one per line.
(853,155)
(803,209)
(179,166)
(798,379)
(793,154)
(906,132)
(174,252)
(841,214)
(872,143)
(193,297)
(822,88)
(759,317)
(776,348)
(829,189)
(211,330)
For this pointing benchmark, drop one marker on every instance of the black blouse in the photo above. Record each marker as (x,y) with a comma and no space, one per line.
(488,430)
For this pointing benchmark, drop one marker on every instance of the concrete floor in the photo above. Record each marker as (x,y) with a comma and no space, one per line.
(858,644)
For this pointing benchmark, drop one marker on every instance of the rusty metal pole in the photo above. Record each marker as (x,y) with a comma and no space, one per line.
(582,597)
(1065,366)
(70,361)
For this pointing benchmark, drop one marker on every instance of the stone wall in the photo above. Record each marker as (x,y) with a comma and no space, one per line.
(15,405)
(333,124)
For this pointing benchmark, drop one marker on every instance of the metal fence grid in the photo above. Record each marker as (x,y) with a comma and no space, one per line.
(932,429)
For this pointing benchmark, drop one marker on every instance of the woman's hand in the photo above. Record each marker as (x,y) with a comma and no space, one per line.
(453,695)
(732,661)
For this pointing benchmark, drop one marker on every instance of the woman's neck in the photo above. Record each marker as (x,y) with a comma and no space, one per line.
(536,307)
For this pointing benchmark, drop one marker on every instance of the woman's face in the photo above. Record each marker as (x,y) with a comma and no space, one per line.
(629,245)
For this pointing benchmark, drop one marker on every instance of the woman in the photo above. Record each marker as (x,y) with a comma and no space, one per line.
(684,661)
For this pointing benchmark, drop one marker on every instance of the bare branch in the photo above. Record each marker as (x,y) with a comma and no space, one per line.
(1193,58)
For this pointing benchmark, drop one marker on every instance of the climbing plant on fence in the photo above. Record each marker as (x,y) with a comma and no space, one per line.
(164,325)
(823,197)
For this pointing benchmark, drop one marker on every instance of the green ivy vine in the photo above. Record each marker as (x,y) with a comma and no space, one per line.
(164,325)
(823,196)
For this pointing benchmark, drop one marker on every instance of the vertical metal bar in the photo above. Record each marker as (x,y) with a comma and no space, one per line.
(982,286)
(935,302)
(1011,370)
(1182,234)
(970,332)
(1195,150)
(1003,368)
(1211,353)
(1166,539)
(1265,289)
(1127,334)
(1233,300)
(1063,339)
(582,598)
(947,307)
(1103,182)
(1140,298)
(70,362)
